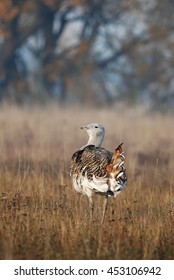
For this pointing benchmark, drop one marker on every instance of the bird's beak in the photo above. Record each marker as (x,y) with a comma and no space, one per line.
(84,127)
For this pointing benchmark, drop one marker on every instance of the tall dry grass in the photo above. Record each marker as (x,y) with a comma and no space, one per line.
(42,217)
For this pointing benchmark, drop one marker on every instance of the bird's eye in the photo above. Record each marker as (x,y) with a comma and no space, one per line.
(96,126)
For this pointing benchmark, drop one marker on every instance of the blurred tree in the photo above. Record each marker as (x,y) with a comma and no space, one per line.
(91,51)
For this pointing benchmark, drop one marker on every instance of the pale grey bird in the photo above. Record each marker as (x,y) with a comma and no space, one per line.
(97,170)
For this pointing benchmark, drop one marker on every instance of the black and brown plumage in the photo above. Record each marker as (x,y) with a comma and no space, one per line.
(97,170)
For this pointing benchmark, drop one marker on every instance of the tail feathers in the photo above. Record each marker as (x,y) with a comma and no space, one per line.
(117,161)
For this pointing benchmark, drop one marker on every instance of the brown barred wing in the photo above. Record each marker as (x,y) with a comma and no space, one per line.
(91,161)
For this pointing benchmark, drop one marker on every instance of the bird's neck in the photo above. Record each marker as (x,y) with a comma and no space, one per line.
(94,140)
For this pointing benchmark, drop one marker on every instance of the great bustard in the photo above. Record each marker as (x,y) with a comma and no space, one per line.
(97,170)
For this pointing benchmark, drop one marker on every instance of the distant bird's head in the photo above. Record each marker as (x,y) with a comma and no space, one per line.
(96,133)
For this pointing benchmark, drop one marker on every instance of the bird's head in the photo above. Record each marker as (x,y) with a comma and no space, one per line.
(96,133)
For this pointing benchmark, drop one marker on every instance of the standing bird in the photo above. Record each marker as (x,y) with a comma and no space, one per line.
(96,170)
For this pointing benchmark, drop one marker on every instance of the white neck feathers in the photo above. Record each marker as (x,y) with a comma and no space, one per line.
(95,140)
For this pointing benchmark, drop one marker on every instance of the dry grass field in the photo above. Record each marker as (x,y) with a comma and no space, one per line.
(41,215)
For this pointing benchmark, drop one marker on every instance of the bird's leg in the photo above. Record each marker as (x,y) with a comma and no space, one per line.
(91,207)
(105,207)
